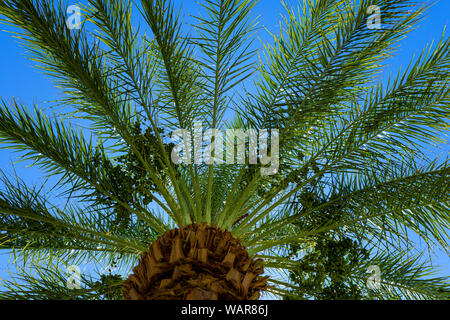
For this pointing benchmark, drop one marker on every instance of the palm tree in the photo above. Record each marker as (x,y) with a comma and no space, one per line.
(352,159)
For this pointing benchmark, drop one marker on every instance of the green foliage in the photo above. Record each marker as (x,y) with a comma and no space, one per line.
(128,180)
(326,273)
(325,270)
(355,183)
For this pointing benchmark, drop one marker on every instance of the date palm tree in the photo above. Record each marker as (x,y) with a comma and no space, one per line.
(352,151)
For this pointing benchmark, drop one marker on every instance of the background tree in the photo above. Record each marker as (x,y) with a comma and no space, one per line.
(354,180)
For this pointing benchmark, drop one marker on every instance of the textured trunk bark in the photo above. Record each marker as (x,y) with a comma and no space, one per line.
(196,262)
(200,294)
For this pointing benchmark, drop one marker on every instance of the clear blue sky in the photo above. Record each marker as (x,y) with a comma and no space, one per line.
(19,79)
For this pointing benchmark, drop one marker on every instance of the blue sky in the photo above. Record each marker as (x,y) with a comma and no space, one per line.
(18,77)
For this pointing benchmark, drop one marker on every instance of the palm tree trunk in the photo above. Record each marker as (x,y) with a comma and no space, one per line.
(196,262)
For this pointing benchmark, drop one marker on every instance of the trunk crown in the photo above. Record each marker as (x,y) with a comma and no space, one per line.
(196,262)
